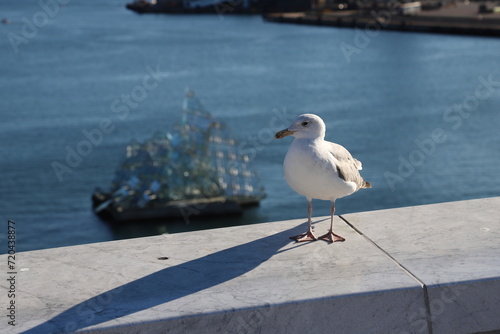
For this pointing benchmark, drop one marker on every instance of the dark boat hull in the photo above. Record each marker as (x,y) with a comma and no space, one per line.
(174,210)
(176,7)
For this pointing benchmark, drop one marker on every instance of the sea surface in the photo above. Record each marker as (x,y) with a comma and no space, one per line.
(421,111)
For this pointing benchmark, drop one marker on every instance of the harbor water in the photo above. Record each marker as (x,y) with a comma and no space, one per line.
(79,81)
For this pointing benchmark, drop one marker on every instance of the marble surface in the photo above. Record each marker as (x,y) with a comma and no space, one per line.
(244,279)
(454,249)
(399,271)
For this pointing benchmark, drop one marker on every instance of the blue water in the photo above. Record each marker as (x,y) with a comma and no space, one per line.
(390,102)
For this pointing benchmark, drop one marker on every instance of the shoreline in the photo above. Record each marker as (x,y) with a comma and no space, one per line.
(462,19)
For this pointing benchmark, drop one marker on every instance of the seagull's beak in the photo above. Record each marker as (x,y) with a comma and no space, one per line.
(283,133)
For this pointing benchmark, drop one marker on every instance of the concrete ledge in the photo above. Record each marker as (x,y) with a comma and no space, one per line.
(427,269)
(454,250)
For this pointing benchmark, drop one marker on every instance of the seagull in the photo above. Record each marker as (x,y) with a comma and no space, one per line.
(316,168)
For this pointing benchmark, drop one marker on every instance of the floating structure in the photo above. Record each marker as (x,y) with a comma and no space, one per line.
(194,170)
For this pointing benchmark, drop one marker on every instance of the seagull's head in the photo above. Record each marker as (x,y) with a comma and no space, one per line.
(304,126)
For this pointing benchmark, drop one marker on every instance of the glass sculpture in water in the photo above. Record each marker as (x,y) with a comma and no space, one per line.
(196,169)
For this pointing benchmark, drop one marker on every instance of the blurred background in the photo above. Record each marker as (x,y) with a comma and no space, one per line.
(421,111)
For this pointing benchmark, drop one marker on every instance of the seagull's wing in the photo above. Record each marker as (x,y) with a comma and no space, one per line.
(347,166)
(358,163)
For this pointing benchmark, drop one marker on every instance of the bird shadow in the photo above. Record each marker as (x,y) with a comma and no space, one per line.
(168,284)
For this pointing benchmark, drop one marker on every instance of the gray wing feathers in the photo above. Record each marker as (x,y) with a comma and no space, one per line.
(347,166)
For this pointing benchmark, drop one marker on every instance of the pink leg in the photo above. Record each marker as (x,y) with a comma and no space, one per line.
(309,235)
(330,236)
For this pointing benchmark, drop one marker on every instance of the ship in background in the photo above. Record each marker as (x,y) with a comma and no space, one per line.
(221,7)
(194,170)
(195,6)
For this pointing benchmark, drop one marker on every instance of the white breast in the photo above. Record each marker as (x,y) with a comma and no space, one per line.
(311,171)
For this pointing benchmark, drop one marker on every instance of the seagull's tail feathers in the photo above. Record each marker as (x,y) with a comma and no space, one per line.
(366,184)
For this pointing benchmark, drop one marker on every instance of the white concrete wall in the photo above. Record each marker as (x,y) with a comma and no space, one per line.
(426,269)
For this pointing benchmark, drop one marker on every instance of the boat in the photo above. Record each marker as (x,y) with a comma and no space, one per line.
(219,7)
(193,170)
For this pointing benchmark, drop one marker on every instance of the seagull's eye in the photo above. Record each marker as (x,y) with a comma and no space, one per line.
(305,123)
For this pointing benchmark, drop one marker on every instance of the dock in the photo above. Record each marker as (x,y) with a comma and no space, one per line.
(463,19)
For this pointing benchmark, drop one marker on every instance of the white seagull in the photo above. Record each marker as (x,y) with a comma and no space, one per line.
(316,168)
